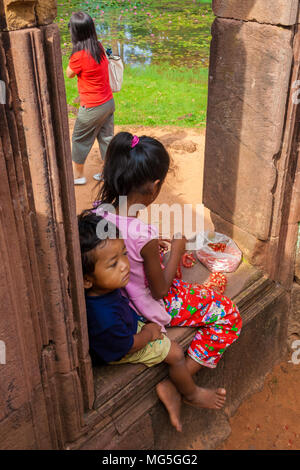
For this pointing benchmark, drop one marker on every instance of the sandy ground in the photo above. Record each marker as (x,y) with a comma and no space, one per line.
(269,419)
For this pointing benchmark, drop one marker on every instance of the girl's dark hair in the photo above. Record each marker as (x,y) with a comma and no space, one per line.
(89,239)
(84,37)
(126,168)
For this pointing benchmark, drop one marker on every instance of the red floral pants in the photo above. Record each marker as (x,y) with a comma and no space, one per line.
(215,317)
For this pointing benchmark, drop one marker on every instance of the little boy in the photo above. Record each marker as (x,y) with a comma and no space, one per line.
(116,335)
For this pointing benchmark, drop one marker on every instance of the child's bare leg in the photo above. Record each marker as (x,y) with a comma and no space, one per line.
(216,397)
(182,378)
(192,365)
(171,398)
(167,391)
(181,371)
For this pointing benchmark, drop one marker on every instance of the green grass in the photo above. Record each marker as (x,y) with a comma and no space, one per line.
(151,96)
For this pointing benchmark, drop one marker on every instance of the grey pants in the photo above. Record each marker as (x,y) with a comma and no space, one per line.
(92,123)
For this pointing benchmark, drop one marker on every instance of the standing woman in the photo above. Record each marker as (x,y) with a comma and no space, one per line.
(96,113)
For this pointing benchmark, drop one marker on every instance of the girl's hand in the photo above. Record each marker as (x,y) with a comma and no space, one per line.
(178,244)
(159,280)
(164,243)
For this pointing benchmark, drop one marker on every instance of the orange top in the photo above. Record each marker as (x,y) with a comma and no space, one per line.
(93,79)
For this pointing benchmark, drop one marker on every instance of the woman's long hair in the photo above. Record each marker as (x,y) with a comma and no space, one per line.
(126,168)
(84,37)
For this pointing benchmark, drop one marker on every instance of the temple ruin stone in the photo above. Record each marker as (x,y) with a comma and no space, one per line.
(280,12)
(27,13)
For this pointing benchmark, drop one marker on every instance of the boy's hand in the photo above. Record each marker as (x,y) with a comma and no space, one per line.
(155,330)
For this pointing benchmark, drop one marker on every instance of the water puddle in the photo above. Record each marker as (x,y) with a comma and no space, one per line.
(161,32)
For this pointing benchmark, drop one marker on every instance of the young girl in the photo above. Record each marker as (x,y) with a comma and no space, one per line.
(96,113)
(116,336)
(136,168)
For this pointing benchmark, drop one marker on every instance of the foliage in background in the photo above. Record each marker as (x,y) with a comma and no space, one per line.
(165,47)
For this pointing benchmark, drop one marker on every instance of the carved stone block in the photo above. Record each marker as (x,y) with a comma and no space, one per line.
(280,12)
(27,13)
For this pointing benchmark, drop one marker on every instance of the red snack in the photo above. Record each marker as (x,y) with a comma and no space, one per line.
(217,246)
(217,281)
(178,274)
(188,260)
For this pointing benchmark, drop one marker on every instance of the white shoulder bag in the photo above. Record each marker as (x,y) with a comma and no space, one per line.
(115,69)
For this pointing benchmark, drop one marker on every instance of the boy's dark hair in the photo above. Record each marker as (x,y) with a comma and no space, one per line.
(126,168)
(84,36)
(89,239)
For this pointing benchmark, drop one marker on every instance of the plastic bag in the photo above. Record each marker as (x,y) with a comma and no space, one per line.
(218,252)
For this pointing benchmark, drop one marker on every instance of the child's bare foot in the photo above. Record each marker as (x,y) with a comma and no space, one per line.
(207,398)
(171,398)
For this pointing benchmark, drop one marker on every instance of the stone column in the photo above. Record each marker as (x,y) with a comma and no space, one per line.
(47,380)
(286,212)
(247,158)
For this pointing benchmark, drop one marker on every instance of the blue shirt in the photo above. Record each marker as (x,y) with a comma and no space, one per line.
(112,323)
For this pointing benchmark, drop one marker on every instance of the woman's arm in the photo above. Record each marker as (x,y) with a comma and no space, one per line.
(159,279)
(70,73)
